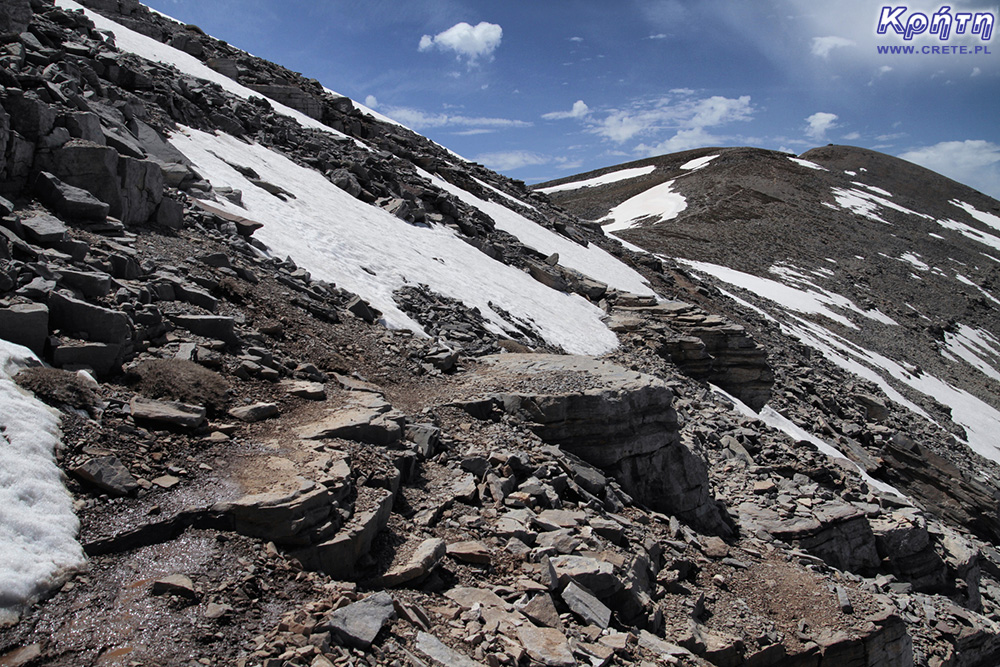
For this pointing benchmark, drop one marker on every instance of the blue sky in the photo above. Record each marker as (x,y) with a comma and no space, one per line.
(543,90)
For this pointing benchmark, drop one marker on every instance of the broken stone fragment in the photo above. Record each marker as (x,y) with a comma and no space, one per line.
(167,412)
(424,559)
(176,584)
(437,651)
(358,624)
(584,604)
(472,551)
(546,645)
(108,474)
(256,412)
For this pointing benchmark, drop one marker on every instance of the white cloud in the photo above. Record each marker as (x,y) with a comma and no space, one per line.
(667,114)
(576,39)
(819,124)
(884,69)
(579,110)
(510,160)
(683,140)
(371,102)
(659,35)
(974,162)
(468,42)
(822,46)
(976,71)
(421,120)
(853,136)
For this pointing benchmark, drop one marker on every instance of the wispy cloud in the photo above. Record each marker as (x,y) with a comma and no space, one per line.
(670,114)
(418,119)
(975,162)
(468,42)
(818,124)
(822,46)
(579,110)
(510,160)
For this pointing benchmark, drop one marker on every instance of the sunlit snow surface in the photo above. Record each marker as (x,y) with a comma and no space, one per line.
(777,421)
(980,420)
(982,216)
(337,237)
(698,163)
(659,203)
(807,163)
(613,177)
(37,525)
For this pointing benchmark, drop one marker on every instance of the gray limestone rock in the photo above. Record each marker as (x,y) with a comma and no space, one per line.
(167,412)
(108,474)
(358,624)
(26,324)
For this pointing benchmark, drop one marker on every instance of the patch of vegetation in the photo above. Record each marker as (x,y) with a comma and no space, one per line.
(60,388)
(182,380)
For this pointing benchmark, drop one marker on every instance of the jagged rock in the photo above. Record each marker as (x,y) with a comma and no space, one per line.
(584,604)
(468,597)
(69,200)
(218,327)
(286,518)
(472,551)
(358,624)
(338,557)
(546,645)
(175,584)
(426,556)
(436,650)
(256,412)
(167,412)
(43,229)
(96,323)
(26,324)
(596,575)
(108,474)
(92,284)
(15,16)
(103,358)
(366,418)
(618,420)
(314,391)
(542,610)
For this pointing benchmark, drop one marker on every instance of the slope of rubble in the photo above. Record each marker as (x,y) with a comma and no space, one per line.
(264,473)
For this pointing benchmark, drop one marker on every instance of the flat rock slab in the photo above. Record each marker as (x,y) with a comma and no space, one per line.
(471,551)
(358,624)
(546,645)
(585,604)
(256,412)
(468,597)
(437,651)
(167,412)
(424,559)
(365,418)
(108,474)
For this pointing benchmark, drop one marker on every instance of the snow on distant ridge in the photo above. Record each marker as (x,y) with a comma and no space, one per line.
(613,177)
(982,216)
(659,201)
(370,252)
(698,163)
(38,528)
(807,163)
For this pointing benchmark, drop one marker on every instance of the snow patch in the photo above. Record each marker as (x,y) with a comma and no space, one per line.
(658,204)
(868,204)
(698,162)
(982,216)
(340,239)
(503,194)
(914,259)
(972,233)
(38,528)
(977,347)
(589,260)
(878,191)
(807,163)
(613,177)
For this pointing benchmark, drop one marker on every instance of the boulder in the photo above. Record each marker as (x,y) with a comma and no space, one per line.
(358,624)
(69,200)
(366,418)
(217,327)
(620,421)
(172,413)
(43,229)
(256,412)
(14,16)
(546,645)
(424,558)
(98,324)
(26,324)
(108,474)
(102,358)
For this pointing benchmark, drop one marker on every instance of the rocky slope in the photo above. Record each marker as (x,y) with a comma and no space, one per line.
(265,473)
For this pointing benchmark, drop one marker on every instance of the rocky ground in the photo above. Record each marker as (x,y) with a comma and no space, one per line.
(265,475)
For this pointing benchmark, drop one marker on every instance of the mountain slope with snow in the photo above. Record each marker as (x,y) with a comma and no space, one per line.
(885,268)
